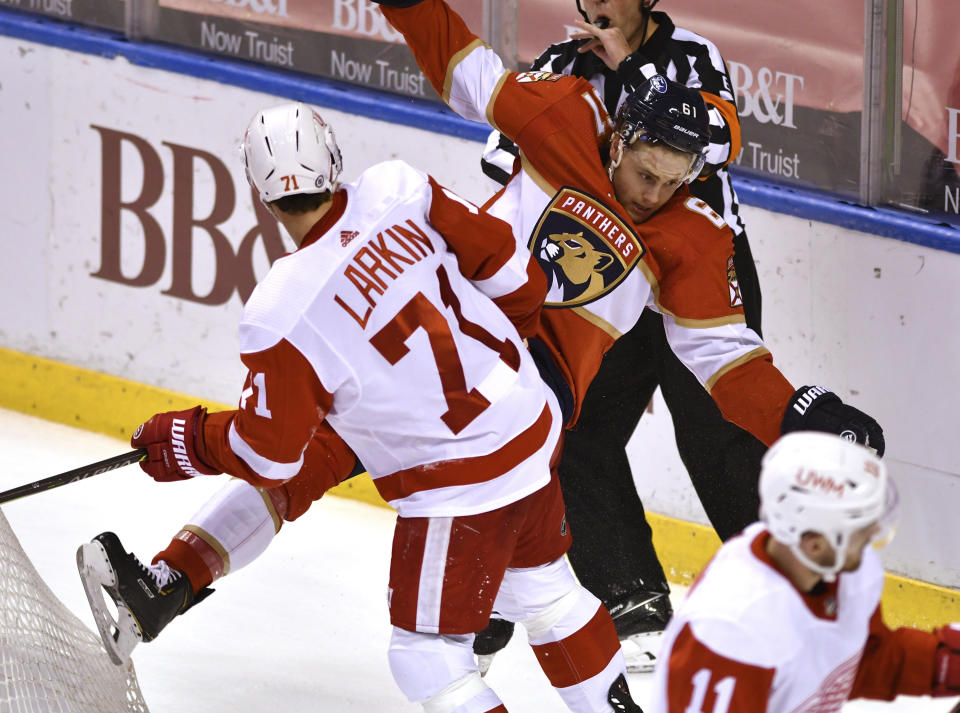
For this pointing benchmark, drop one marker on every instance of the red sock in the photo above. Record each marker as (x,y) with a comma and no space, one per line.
(194,556)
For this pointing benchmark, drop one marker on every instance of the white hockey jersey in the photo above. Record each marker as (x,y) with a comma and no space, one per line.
(745,640)
(390,322)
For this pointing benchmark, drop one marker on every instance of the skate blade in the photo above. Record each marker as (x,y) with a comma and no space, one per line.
(119,635)
(640,666)
(640,651)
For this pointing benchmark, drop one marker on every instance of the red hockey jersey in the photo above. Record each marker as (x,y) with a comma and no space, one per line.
(603,270)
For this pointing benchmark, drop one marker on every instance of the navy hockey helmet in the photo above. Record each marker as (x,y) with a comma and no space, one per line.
(661,110)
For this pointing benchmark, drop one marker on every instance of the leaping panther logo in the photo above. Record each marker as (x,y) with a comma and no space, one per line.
(584,247)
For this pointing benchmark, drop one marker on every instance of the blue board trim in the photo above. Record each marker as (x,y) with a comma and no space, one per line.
(807,204)
(824,208)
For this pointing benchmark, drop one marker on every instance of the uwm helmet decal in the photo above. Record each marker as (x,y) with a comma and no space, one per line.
(584,247)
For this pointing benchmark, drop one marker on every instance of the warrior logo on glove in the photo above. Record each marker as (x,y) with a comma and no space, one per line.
(172,441)
(815,408)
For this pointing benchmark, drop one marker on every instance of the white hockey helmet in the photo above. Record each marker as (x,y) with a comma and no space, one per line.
(288,150)
(822,483)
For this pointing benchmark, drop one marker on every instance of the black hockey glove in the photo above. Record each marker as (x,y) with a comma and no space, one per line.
(814,408)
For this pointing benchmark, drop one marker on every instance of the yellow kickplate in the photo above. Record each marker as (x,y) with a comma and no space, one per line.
(114,406)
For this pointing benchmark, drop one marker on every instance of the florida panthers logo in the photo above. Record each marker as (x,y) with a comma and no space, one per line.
(584,248)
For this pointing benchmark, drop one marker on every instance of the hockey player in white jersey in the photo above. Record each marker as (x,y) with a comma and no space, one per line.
(786,617)
(395,323)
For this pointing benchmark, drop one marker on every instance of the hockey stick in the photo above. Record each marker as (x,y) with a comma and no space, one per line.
(81,473)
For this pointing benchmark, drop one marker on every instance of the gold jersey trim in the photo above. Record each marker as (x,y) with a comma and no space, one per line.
(493,100)
(749,356)
(598,322)
(705,323)
(452,65)
(277,522)
(542,183)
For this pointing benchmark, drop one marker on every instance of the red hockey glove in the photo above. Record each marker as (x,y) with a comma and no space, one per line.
(171,442)
(946,669)
(814,408)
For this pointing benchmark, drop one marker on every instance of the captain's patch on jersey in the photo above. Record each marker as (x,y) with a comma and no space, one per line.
(584,248)
(524,77)
(734,284)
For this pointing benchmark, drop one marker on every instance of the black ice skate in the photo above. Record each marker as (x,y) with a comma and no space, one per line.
(640,620)
(619,697)
(147,598)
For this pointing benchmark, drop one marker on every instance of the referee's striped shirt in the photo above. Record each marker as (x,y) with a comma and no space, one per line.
(678,54)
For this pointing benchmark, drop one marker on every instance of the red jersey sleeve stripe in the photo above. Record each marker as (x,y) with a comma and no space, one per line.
(694,667)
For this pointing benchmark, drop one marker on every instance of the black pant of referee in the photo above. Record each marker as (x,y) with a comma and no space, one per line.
(612,552)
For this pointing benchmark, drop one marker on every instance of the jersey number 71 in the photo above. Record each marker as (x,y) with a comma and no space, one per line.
(463,406)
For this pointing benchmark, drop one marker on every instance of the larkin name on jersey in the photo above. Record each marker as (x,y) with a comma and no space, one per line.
(380,262)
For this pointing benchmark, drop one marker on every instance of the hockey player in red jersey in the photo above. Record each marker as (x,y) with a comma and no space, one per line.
(613,554)
(786,618)
(615,226)
(398,324)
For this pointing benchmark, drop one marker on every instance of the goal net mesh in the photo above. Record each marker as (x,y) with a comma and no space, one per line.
(50,662)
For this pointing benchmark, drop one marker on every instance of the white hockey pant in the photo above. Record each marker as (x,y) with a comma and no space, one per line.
(440,670)
(238,522)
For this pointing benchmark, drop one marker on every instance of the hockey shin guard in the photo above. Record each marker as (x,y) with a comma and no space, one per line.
(439,671)
(231,530)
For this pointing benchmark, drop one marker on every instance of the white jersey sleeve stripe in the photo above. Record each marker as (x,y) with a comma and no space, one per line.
(709,352)
(498,382)
(758,352)
(474,73)
(594,103)
(264,467)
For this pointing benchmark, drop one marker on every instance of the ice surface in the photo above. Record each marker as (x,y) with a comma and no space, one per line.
(303,628)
